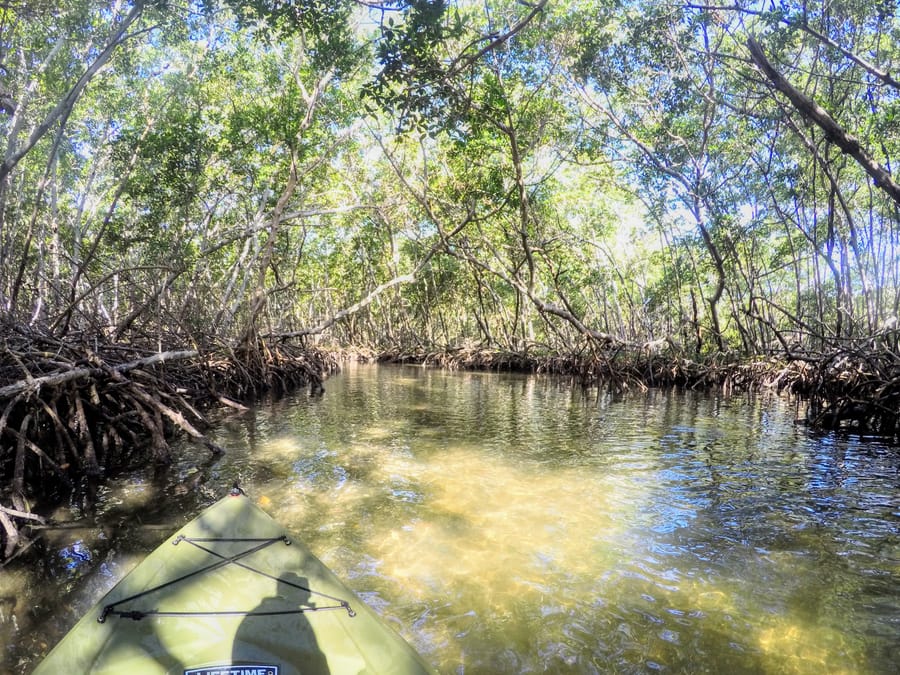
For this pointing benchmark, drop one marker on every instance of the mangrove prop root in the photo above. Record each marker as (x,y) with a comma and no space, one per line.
(74,408)
(11,532)
(855,387)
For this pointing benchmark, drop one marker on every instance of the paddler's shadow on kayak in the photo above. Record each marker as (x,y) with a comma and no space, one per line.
(279,629)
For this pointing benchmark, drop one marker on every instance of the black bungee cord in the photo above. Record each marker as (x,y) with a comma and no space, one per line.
(260,543)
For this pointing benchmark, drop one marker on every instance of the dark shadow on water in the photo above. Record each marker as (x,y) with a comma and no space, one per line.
(269,631)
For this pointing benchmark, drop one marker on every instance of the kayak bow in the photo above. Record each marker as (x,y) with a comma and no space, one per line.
(231,593)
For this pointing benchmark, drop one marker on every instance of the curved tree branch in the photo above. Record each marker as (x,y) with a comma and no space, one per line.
(813,112)
(64,107)
(803,25)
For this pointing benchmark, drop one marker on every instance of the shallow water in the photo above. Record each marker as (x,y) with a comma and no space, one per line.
(512,524)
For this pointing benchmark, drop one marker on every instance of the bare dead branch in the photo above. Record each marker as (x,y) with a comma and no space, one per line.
(61,377)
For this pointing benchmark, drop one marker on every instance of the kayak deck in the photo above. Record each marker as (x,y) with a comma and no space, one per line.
(231,592)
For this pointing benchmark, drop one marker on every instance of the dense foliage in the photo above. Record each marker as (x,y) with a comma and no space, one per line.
(547,176)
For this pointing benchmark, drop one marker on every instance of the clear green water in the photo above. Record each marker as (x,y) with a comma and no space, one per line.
(511,524)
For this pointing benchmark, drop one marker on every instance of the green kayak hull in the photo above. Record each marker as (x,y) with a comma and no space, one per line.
(231,593)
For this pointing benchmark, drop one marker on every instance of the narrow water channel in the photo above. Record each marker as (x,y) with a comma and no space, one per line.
(513,524)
